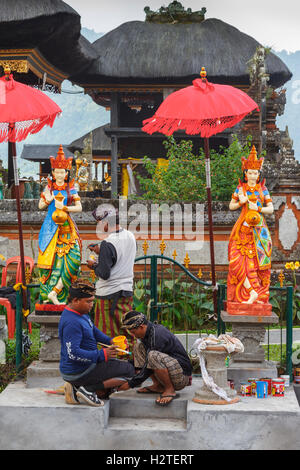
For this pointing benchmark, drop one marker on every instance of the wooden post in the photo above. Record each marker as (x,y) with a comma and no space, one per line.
(114,122)
(210,223)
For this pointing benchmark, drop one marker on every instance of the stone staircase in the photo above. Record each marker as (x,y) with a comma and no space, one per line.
(130,410)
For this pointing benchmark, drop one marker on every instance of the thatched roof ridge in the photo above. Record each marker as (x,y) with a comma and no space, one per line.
(101,142)
(42,152)
(16,10)
(142,51)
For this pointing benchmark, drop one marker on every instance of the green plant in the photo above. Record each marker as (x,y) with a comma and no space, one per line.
(8,371)
(183,180)
(182,304)
(278,354)
(278,300)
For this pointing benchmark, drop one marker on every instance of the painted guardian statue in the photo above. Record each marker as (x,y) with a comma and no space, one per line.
(250,244)
(59,242)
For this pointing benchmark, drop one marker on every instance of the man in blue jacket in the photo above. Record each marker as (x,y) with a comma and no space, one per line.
(86,369)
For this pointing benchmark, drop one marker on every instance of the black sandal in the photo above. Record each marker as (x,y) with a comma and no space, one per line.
(173,397)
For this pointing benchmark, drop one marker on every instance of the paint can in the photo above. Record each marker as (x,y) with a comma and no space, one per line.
(269,382)
(261,389)
(246,389)
(286,379)
(278,387)
(120,342)
(297,372)
(253,381)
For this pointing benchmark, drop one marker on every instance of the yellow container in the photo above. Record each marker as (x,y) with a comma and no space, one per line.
(120,342)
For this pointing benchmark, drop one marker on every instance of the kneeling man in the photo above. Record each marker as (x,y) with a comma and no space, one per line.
(159,355)
(88,371)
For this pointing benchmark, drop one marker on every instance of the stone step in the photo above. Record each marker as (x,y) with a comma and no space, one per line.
(130,403)
(146,424)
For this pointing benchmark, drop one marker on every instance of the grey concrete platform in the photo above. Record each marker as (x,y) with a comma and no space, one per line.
(32,419)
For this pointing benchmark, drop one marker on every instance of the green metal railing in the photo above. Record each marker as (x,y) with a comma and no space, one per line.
(155,306)
(19,319)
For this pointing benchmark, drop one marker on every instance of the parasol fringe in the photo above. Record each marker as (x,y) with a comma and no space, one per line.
(22,129)
(204,127)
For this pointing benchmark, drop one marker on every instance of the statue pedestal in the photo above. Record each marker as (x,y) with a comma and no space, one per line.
(215,365)
(250,330)
(45,372)
(257,310)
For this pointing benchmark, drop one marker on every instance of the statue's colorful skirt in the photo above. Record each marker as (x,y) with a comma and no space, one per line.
(61,260)
(249,253)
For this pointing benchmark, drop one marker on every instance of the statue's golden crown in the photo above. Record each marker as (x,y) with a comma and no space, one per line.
(252,162)
(61,161)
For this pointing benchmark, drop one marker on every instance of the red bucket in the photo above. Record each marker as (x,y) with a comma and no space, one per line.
(278,387)
(269,382)
(246,389)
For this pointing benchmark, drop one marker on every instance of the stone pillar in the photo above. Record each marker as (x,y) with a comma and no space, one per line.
(45,371)
(215,365)
(250,330)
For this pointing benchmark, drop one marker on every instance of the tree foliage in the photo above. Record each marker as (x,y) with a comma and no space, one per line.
(184,180)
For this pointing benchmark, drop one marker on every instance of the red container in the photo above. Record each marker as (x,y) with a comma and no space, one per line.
(269,382)
(278,387)
(246,389)
(253,381)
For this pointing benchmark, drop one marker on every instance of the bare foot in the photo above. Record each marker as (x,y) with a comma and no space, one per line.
(166,397)
(53,297)
(252,298)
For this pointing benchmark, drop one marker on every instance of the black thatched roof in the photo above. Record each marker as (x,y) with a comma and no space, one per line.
(138,52)
(41,153)
(52,26)
(101,142)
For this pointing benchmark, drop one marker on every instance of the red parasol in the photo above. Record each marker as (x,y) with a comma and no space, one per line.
(204,108)
(23,110)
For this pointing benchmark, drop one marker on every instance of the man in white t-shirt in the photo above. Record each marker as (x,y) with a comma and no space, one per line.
(115,271)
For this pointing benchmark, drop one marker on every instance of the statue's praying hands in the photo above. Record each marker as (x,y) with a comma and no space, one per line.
(48,195)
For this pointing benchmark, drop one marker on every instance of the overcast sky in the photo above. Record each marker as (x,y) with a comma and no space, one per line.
(273,23)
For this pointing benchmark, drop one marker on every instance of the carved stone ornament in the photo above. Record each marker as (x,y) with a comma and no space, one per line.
(174,13)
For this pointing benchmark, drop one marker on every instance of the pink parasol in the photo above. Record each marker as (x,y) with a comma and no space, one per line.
(206,109)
